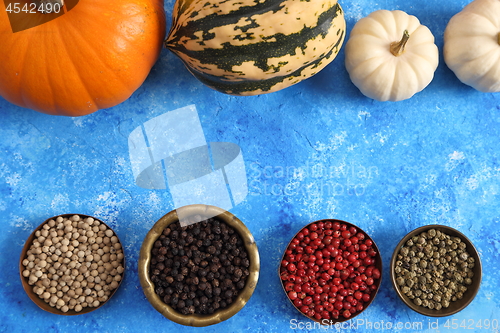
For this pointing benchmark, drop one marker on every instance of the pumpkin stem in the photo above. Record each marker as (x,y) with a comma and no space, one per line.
(398,48)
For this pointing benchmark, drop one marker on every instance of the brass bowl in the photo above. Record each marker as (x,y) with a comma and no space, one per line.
(377,283)
(194,319)
(29,289)
(472,289)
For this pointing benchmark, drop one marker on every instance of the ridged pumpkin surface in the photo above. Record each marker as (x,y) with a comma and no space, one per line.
(92,57)
(250,47)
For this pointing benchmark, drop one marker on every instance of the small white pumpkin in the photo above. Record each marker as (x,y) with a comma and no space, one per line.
(390,56)
(472,45)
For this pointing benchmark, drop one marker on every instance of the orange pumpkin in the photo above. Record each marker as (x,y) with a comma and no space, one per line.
(94,56)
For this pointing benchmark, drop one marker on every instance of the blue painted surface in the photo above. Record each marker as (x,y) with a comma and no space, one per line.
(390,167)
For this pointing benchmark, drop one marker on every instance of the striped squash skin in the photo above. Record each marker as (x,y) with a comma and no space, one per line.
(252,47)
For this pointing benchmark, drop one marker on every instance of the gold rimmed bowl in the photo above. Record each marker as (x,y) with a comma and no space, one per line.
(454,306)
(145,257)
(296,241)
(29,287)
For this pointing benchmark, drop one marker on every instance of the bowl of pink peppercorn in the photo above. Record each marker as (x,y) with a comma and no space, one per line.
(331,271)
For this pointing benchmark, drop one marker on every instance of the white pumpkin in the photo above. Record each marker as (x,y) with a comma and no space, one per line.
(472,45)
(390,56)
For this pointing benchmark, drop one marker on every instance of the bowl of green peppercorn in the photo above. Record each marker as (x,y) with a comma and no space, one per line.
(436,270)
(198,265)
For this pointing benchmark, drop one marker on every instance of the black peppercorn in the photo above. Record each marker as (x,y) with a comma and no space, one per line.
(240,285)
(160,291)
(200,268)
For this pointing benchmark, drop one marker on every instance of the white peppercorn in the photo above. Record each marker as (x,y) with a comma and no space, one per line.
(65,267)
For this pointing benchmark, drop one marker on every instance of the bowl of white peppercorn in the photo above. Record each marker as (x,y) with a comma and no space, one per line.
(71,264)
(436,270)
(199,265)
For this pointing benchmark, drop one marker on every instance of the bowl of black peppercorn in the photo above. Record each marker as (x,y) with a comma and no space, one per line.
(436,270)
(199,265)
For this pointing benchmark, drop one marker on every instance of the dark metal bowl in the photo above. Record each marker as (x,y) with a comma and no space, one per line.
(472,290)
(194,319)
(29,289)
(378,265)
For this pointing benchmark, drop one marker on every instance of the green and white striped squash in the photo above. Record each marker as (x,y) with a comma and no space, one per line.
(252,47)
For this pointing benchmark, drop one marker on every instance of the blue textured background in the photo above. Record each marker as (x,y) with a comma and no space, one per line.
(392,167)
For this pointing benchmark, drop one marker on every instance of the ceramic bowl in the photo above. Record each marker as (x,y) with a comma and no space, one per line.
(145,260)
(472,289)
(29,288)
(377,282)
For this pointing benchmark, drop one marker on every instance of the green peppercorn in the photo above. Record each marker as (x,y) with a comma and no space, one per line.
(433,269)
(400,281)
